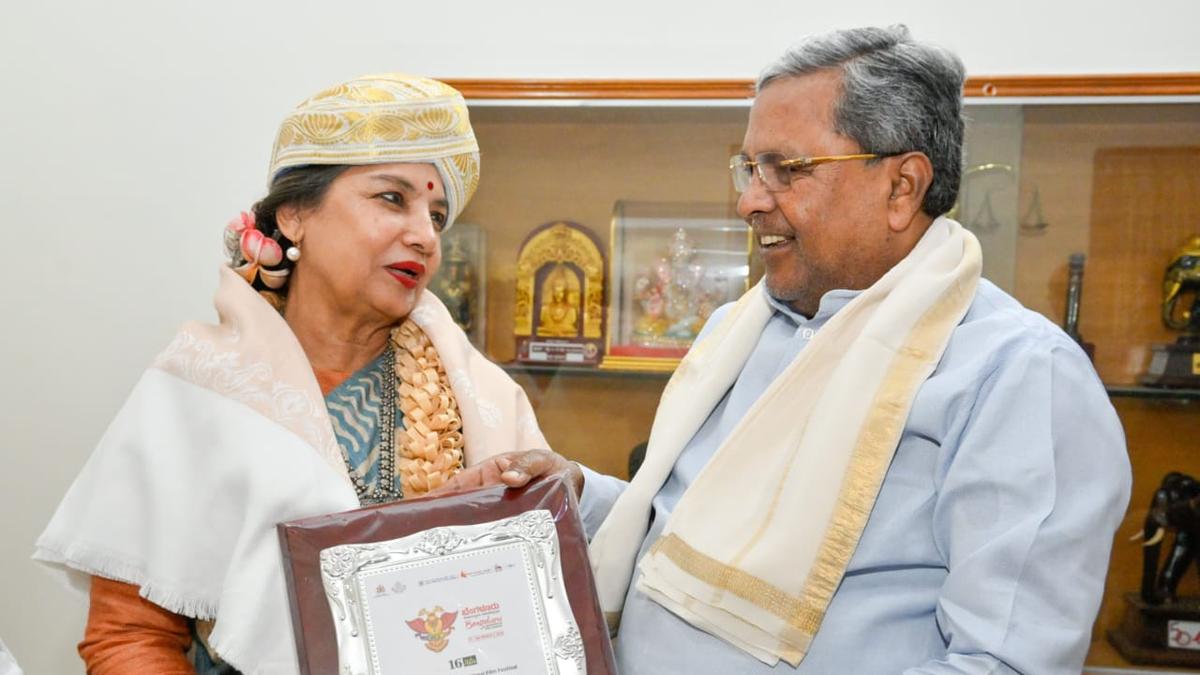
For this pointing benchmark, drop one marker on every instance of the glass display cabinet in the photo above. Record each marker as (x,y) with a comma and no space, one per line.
(672,265)
(1083,191)
(461,284)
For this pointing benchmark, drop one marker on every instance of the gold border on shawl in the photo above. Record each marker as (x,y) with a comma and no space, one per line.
(861,483)
(877,442)
(742,584)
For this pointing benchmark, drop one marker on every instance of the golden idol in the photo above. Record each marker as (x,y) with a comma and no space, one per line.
(559,304)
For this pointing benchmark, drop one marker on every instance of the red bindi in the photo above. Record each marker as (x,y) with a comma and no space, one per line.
(429,185)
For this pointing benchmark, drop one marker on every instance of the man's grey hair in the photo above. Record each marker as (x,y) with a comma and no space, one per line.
(898,95)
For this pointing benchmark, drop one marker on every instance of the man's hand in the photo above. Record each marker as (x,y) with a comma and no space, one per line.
(515,469)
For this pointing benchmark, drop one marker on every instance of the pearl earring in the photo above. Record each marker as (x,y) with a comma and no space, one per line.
(293,253)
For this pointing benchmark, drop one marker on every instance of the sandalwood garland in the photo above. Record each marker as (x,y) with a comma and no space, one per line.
(430,450)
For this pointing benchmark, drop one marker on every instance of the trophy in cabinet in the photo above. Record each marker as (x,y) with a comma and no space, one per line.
(673,264)
(673,300)
(1074,300)
(1178,364)
(559,303)
(1161,627)
(461,282)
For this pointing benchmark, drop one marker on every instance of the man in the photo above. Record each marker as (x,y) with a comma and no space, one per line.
(874,461)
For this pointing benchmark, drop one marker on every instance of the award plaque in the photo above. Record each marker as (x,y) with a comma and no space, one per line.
(489,581)
(558,313)
(1178,365)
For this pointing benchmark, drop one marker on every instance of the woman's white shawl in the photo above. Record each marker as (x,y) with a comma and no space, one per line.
(223,437)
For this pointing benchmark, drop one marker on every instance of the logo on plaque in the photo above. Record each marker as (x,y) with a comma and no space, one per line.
(433,627)
(559,304)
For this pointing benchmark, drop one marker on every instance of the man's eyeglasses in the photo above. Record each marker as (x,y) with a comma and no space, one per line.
(775,170)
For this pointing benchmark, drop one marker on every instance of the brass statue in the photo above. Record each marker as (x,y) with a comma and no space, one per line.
(1178,365)
(560,304)
(1182,278)
(455,286)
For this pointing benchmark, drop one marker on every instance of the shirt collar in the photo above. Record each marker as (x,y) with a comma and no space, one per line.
(831,302)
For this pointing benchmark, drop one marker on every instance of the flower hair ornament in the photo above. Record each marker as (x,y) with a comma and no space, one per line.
(252,253)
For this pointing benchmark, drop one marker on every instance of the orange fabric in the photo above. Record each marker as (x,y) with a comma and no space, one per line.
(329,380)
(128,634)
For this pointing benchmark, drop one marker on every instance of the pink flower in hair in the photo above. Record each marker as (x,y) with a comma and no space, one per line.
(256,250)
(241,223)
(260,249)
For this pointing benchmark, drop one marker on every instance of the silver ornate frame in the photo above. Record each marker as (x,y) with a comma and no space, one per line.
(342,565)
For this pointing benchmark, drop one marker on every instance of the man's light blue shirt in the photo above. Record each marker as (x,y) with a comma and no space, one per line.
(988,545)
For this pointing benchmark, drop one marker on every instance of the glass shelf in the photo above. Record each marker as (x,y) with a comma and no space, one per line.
(1114,390)
(1159,393)
(579,371)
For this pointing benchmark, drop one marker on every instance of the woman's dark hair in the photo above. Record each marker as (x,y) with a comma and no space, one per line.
(302,187)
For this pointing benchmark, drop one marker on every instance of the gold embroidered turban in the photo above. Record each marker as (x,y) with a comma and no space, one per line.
(379,119)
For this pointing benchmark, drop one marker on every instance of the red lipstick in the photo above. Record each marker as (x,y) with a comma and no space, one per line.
(408,273)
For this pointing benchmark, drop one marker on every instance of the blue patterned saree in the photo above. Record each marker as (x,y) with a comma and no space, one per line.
(359,409)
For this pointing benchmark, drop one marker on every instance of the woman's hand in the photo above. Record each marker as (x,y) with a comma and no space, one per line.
(515,469)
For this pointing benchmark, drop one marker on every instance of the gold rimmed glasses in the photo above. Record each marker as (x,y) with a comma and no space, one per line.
(775,170)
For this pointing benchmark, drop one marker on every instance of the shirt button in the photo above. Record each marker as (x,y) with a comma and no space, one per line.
(806,333)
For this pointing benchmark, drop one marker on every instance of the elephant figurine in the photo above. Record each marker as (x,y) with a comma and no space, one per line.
(1182,278)
(1175,506)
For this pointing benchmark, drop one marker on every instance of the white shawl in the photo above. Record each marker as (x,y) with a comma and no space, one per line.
(225,436)
(758,544)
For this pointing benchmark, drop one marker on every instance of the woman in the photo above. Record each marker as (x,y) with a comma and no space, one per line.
(226,434)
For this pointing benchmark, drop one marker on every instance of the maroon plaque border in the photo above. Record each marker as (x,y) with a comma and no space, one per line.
(303,540)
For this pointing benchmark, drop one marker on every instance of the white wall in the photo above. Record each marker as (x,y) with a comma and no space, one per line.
(130,131)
